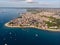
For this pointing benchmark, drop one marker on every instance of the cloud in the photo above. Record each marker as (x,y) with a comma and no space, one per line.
(19,3)
(11,0)
(15,0)
(29,0)
(24,4)
(18,0)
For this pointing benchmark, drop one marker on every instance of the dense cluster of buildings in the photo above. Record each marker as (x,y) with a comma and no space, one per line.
(35,20)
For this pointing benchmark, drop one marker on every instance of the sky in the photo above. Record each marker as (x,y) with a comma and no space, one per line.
(26,3)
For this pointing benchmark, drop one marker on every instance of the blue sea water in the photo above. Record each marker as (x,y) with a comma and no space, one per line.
(24,36)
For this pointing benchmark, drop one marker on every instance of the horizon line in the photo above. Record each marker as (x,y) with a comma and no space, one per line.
(29,7)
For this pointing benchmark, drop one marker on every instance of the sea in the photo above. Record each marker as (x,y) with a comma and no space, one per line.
(23,36)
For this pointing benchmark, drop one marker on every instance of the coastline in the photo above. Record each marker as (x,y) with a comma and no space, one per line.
(53,30)
(6,24)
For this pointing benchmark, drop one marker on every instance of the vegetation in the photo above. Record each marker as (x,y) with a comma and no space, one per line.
(50,24)
(20,25)
(20,17)
(52,18)
(54,22)
(33,11)
(11,23)
(58,22)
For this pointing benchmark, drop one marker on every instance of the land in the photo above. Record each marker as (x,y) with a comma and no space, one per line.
(45,19)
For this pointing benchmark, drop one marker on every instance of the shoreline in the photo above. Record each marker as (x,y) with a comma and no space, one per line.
(53,30)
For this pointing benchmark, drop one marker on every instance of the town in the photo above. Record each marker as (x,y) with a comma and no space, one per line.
(47,19)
